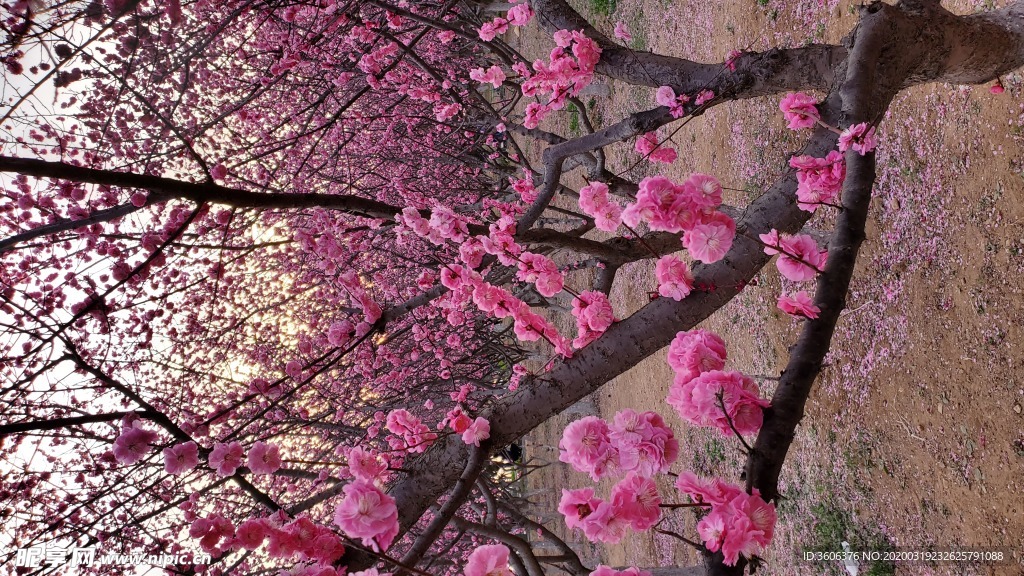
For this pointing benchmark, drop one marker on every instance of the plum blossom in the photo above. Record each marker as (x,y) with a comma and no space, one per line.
(739,524)
(636,500)
(710,240)
(226,458)
(695,352)
(648,146)
(594,202)
(264,458)
(800,110)
(798,305)
(585,446)
(488,560)
(365,465)
(181,458)
(819,180)
(520,15)
(700,400)
(251,533)
(703,97)
(861,137)
(674,278)
(665,206)
(594,314)
(493,76)
(415,436)
(644,443)
(605,524)
(542,271)
(666,96)
(133,444)
(799,258)
(622,32)
(476,432)
(369,514)
(577,505)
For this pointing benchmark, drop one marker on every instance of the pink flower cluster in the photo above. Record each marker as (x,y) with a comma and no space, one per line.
(594,314)
(300,537)
(800,110)
(181,458)
(562,76)
(369,514)
(799,256)
(861,137)
(635,442)
(493,75)
(674,278)
(690,208)
(542,271)
(665,96)
(595,203)
(410,434)
(739,524)
(649,147)
(819,180)
(443,225)
(635,503)
(706,396)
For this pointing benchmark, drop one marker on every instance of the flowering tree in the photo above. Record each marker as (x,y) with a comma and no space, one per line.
(278,278)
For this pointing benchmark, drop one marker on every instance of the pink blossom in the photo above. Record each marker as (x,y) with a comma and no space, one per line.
(621,32)
(644,443)
(664,205)
(636,501)
(585,446)
(800,110)
(181,458)
(673,276)
(704,96)
(226,458)
(369,514)
(605,524)
(520,15)
(479,430)
(138,199)
(695,352)
(365,465)
(542,271)
(699,400)
(577,505)
(713,491)
(704,190)
(493,76)
(739,524)
(218,172)
(133,444)
(997,88)
(666,96)
(264,458)
(800,258)
(488,560)
(648,146)
(861,137)
(819,179)
(710,241)
(251,533)
(798,305)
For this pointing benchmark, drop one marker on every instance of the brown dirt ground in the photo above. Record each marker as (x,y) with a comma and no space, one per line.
(913,436)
